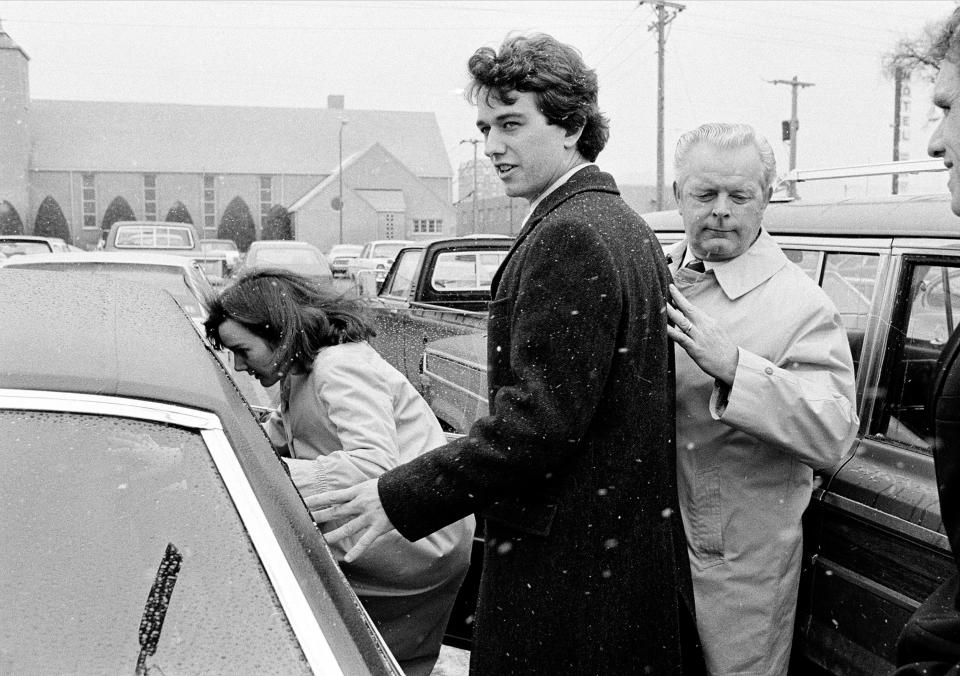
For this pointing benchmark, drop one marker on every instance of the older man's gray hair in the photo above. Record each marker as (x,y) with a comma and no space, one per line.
(726,135)
(946,44)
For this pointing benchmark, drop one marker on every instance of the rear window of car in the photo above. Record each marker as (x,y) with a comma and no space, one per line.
(227,245)
(287,256)
(388,250)
(13,248)
(97,511)
(153,237)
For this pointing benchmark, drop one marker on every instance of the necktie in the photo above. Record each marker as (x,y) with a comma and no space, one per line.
(696,265)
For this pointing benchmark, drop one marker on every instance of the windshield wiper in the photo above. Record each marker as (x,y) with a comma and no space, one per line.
(155,609)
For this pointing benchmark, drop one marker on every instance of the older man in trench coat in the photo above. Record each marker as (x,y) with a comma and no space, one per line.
(585,568)
(765,393)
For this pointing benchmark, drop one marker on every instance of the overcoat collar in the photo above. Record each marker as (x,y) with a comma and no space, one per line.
(744,273)
(588,179)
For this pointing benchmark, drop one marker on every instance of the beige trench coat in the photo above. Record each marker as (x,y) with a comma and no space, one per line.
(352,418)
(744,454)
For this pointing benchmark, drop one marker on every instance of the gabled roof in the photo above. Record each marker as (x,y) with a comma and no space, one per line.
(101,136)
(6,42)
(384,200)
(328,181)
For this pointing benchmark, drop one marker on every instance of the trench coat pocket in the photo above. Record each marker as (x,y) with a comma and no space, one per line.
(534,518)
(705,516)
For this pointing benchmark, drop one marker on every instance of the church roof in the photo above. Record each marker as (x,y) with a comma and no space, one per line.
(101,136)
(6,42)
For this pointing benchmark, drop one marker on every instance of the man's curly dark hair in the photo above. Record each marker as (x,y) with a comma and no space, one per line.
(566,89)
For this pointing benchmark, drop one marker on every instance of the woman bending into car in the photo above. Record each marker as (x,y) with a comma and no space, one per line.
(346,416)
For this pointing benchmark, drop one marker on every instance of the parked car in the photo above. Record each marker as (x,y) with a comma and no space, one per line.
(182,277)
(377,255)
(14,245)
(301,257)
(137,235)
(178,239)
(149,527)
(225,247)
(434,289)
(874,543)
(340,255)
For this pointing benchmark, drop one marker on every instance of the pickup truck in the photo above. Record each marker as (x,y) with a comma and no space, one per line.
(434,290)
(377,255)
(874,542)
(178,239)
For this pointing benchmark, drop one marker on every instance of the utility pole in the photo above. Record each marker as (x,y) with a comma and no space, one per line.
(795,84)
(660,25)
(897,104)
(474,141)
(343,123)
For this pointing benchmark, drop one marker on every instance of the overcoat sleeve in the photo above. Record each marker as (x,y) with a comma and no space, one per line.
(805,403)
(359,405)
(560,338)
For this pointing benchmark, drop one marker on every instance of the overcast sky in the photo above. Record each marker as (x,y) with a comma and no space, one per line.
(411,55)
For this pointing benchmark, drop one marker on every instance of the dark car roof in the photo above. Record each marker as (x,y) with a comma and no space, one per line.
(892,216)
(93,334)
(97,335)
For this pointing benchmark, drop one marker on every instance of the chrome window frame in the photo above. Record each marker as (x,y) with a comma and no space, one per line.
(313,642)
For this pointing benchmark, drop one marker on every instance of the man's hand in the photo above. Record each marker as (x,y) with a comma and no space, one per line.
(361,502)
(701,336)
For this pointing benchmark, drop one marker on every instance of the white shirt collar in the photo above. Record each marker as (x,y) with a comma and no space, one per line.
(556,184)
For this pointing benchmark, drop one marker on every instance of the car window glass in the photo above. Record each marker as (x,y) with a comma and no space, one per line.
(403,276)
(465,271)
(808,261)
(292,256)
(388,250)
(932,302)
(91,504)
(849,279)
(12,248)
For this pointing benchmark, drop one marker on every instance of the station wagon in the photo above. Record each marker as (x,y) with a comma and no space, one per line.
(873,538)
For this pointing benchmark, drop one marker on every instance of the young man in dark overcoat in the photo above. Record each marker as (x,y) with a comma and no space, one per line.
(585,569)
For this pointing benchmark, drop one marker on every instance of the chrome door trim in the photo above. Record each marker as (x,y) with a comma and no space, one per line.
(302,620)
(449,383)
(888,521)
(895,597)
(123,407)
(313,643)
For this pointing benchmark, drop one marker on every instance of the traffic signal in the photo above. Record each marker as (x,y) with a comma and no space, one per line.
(785,127)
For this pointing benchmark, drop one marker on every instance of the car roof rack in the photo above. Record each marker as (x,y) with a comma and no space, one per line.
(853,171)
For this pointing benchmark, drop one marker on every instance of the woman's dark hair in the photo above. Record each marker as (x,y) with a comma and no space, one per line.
(294,313)
(565,88)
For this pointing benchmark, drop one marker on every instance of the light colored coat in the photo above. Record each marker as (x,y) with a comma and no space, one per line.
(351,418)
(744,454)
